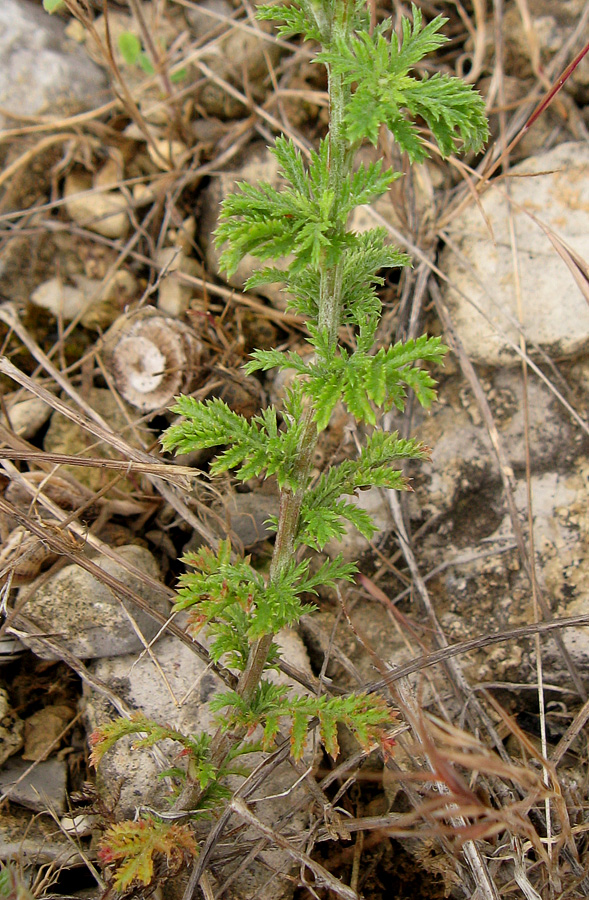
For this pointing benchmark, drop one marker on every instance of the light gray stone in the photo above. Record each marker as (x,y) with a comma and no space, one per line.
(44,786)
(463,460)
(86,617)
(554,187)
(41,70)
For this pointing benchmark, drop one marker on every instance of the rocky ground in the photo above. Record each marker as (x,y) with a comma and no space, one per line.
(113,169)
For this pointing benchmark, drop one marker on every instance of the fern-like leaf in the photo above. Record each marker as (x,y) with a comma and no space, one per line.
(385,91)
(135,847)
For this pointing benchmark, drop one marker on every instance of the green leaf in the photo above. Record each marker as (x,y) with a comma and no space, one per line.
(384,93)
(179,75)
(52,6)
(294,19)
(130,47)
(145,63)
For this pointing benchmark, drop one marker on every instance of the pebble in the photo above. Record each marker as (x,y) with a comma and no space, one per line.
(167,155)
(27,417)
(104,212)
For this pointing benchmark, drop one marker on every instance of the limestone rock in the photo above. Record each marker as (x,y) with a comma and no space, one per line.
(42,786)
(27,416)
(554,187)
(41,70)
(181,702)
(85,615)
(174,295)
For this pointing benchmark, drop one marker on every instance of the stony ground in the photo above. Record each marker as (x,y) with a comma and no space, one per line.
(120,136)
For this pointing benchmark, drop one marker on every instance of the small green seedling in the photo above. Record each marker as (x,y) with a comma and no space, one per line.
(134,55)
(331,279)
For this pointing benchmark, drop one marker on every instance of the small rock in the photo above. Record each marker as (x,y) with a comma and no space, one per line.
(79,826)
(44,786)
(85,615)
(43,728)
(94,303)
(174,295)
(104,212)
(28,416)
(11,729)
(167,155)
(556,189)
(40,69)
(249,515)
(62,300)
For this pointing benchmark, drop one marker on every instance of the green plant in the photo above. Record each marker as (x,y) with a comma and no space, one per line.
(331,279)
(12,884)
(134,55)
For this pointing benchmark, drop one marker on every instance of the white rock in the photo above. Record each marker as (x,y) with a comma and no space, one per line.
(167,154)
(95,303)
(174,295)
(62,300)
(86,616)
(555,314)
(41,70)
(28,416)
(104,212)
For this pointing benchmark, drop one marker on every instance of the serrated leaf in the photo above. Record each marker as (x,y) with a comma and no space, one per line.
(298,733)
(135,847)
